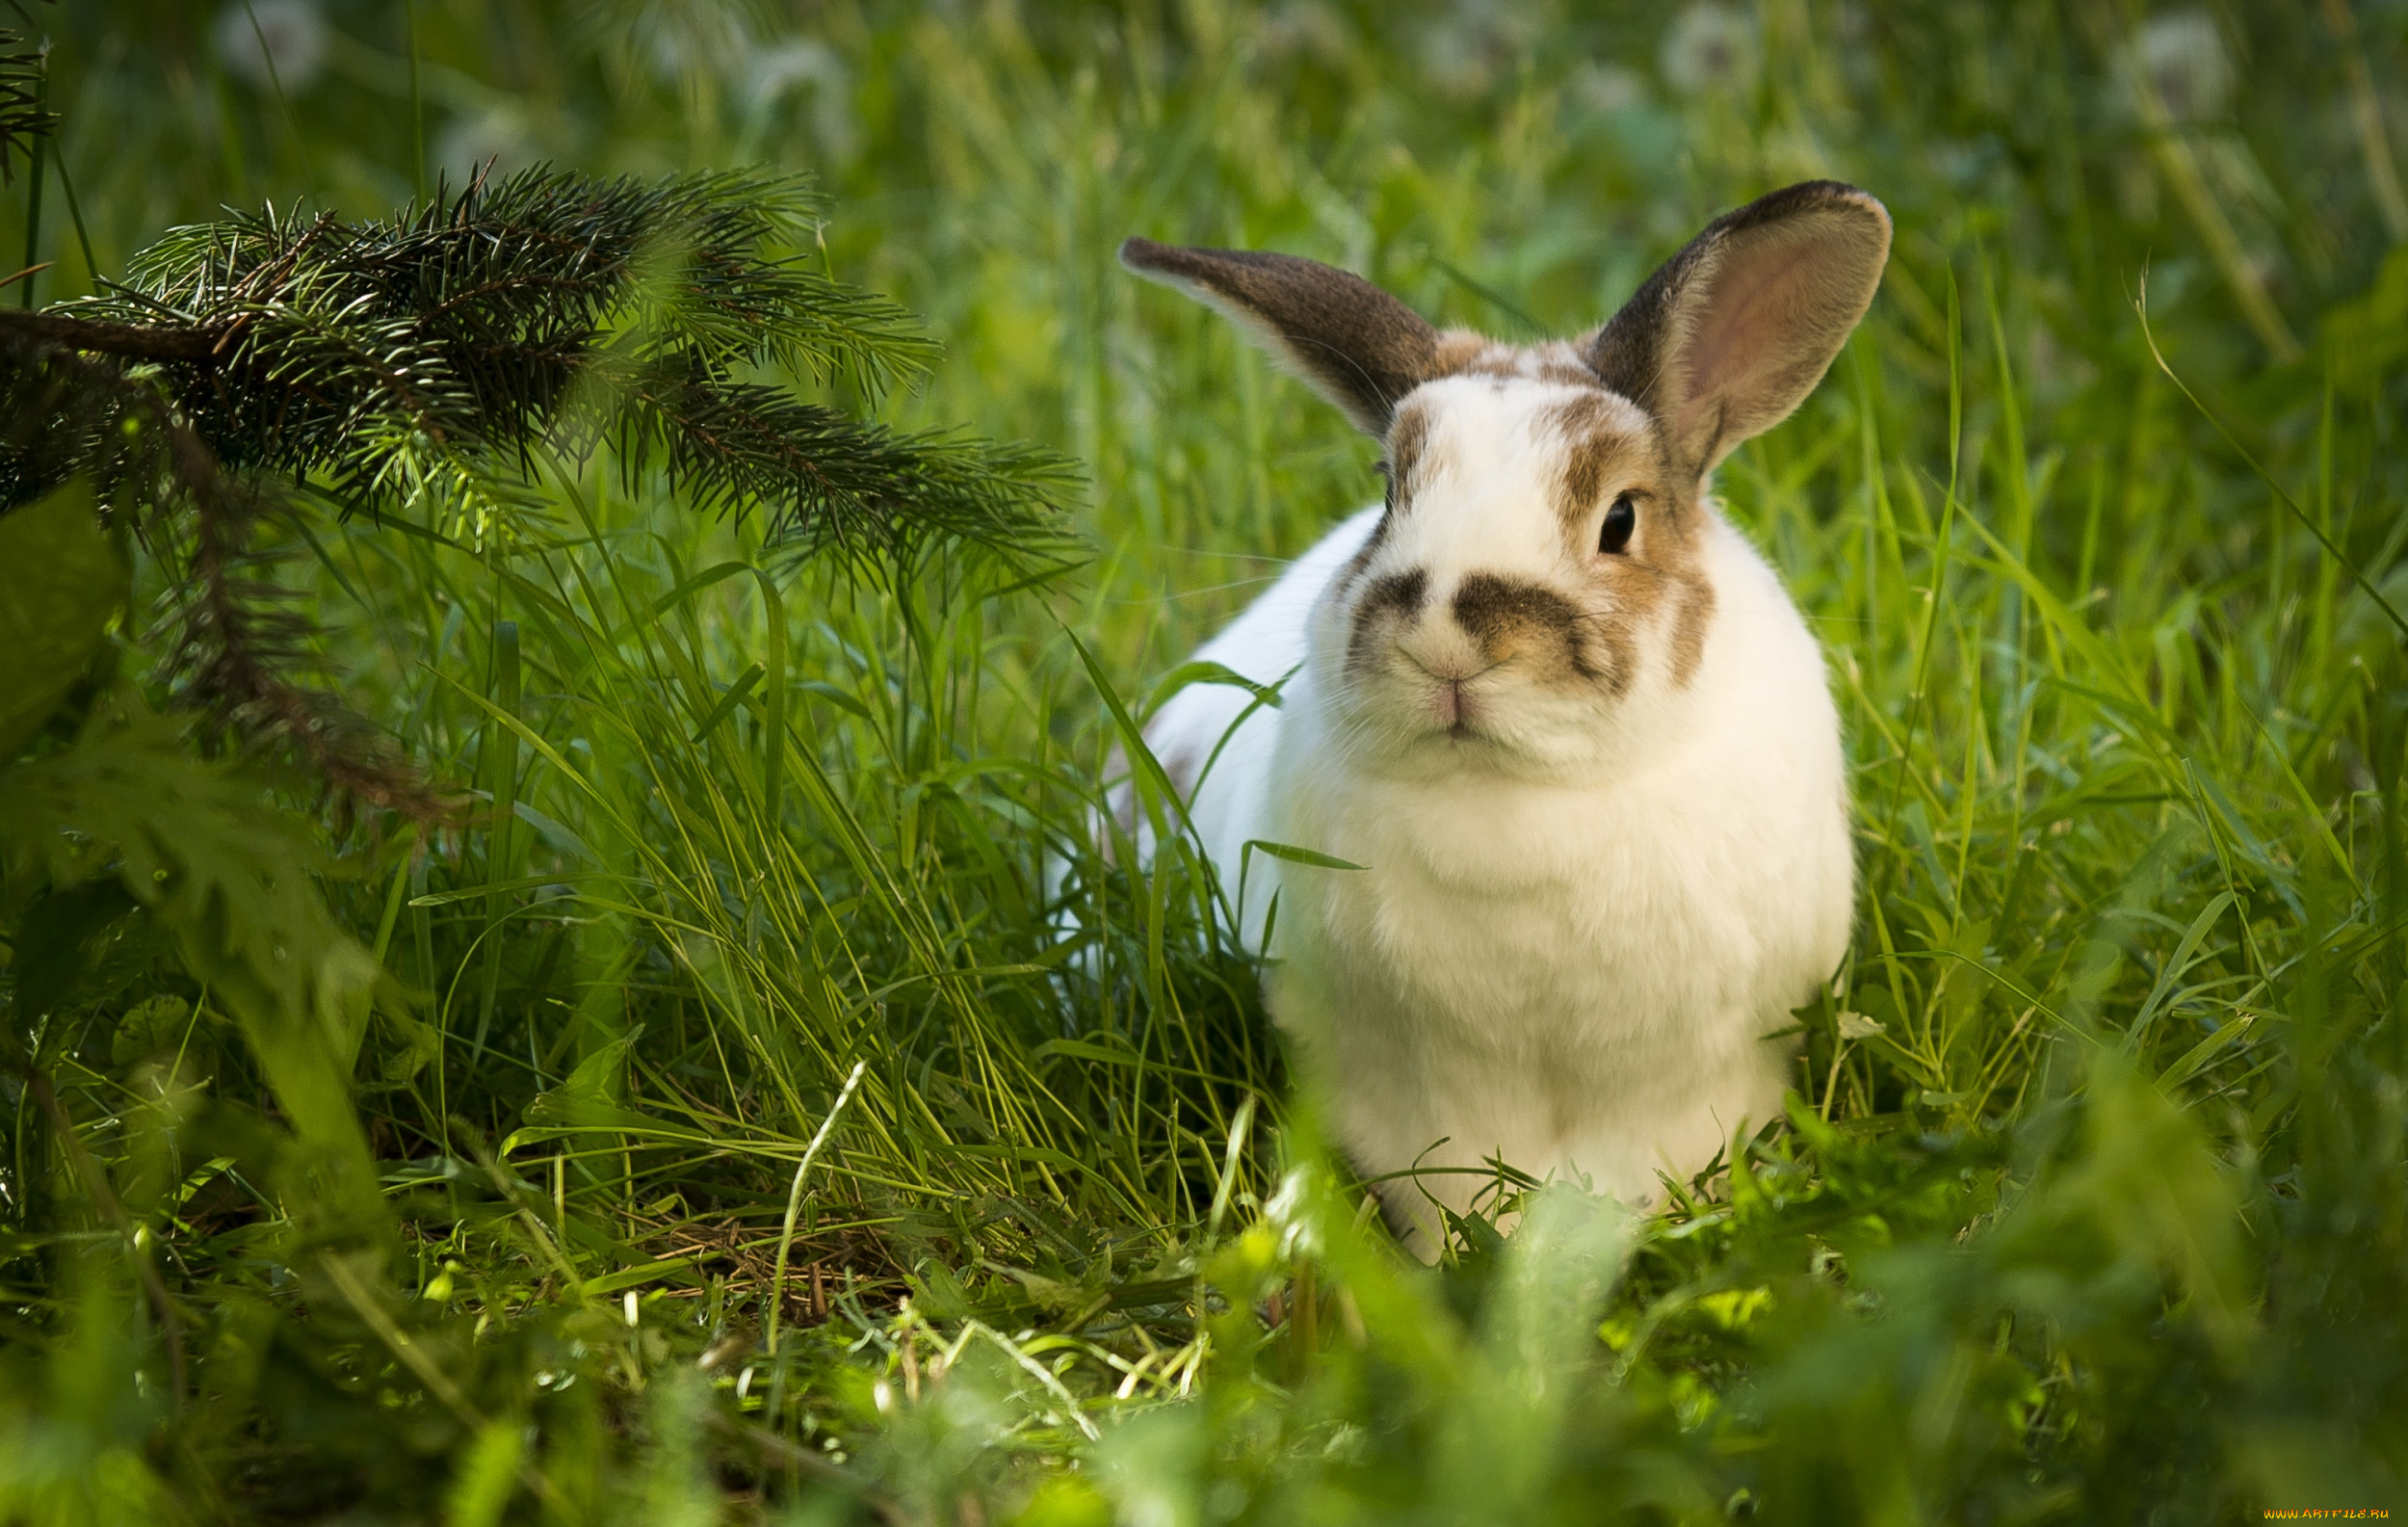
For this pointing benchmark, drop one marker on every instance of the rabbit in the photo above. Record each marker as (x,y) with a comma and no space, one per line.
(1561,718)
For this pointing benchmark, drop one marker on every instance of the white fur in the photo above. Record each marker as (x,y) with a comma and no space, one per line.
(1567,944)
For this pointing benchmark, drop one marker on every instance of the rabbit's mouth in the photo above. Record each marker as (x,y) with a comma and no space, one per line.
(1462,713)
(1454,707)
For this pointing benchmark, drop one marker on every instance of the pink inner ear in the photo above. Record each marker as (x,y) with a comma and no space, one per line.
(1754,308)
(1764,321)
(1757,319)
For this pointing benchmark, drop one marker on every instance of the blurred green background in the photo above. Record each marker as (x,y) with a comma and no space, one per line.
(2093,1202)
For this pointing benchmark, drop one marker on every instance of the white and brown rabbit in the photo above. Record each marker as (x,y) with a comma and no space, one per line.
(1563,715)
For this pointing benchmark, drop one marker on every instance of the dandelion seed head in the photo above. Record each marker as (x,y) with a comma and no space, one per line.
(504,137)
(1610,87)
(2183,55)
(296,38)
(1710,50)
(805,69)
(1470,46)
(1306,30)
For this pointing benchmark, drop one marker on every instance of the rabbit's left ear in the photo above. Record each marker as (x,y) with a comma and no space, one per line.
(1357,346)
(1734,331)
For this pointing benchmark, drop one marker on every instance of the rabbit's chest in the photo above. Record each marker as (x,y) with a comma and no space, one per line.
(1527,911)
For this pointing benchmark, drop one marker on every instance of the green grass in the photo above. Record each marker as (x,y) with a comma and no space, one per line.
(2093,1202)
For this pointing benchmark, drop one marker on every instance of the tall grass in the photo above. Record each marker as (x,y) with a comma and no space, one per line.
(2090,1206)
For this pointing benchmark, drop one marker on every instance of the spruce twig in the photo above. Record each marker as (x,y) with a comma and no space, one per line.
(395,360)
(25,116)
(422,363)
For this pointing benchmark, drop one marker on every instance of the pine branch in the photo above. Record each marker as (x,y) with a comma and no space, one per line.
(231,643)
(854,487)
(553,308)
(23,118)
(421,363)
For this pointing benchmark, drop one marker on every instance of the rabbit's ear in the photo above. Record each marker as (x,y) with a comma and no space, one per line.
(1734,331)
(1356,344)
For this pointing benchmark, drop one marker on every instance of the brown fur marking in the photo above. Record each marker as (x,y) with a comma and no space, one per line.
(1498,611)
(1656,583)
(1688,629)
(1407,436)
(1397,592)
(1401,592)
(1456,350)
(1592,450)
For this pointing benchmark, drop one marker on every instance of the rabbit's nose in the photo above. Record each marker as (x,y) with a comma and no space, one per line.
(1442,650)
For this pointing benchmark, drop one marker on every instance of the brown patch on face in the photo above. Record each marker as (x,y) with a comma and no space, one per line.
(1398,594)
(1668,592)
(1595,451)
(1510,617)
(1688,629)
(1408,437)
(1658,581)
(1401,592)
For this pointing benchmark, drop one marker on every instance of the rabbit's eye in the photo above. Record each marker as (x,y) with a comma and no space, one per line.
(1620,520)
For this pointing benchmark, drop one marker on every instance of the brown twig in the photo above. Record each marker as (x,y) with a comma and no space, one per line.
(238,676)
(133,341)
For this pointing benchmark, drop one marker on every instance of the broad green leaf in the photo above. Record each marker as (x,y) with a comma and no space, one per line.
(588,1097)
(231,878)
(54,939)
(61,578)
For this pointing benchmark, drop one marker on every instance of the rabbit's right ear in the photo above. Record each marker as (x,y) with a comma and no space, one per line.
(1356,344)
(1734,331)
